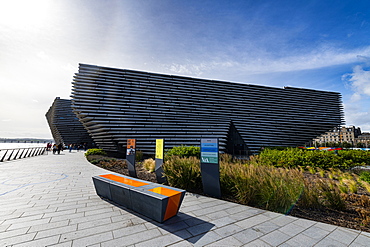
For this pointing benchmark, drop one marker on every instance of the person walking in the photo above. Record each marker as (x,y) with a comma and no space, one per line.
(60,146)
(48,146)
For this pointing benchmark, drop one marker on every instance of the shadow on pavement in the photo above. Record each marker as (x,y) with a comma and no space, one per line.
(183,225)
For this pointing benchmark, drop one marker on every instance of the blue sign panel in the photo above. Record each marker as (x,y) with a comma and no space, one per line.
(209,150)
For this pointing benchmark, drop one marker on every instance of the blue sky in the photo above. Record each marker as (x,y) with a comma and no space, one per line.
(320,45)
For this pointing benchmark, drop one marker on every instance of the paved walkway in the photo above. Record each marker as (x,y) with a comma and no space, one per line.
(50,200)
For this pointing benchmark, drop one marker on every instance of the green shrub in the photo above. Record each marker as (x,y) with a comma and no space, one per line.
(358,157)
(96,159)
(365,176)
(184,151)
(294,157)
(95,151)
(183,173)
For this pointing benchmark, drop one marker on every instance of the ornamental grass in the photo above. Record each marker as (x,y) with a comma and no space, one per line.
(183,173)
(149,165)
(274,189)
(277,180)
(266,187)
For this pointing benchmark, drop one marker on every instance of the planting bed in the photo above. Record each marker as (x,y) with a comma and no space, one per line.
(350,217)
(119,166)
(347,218)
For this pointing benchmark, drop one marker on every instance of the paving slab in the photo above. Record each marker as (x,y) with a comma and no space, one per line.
(50,200)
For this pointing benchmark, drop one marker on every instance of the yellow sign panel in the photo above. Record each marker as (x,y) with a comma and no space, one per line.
(159,149)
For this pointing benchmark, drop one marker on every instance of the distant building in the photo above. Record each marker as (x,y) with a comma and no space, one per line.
(364,139)
(119,104)
(351,135)
(64,124)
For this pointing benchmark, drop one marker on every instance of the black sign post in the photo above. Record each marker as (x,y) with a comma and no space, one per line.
(210,168)
(130,157)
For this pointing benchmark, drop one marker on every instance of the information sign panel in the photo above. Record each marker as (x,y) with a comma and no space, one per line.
(209,150)
(131,146)
(210,168)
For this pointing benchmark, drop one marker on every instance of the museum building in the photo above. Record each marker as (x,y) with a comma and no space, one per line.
(119,104)
(64,124)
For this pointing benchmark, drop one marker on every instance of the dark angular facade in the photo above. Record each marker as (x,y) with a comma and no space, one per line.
(119,104)
(64,125)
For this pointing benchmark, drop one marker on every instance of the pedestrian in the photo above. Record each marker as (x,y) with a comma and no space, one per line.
(70,147)
(60,147)
(54,148)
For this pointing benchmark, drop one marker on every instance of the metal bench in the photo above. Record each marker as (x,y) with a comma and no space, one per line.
(156,201)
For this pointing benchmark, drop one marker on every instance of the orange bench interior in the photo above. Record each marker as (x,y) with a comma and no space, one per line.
(124,180)
(174,195)
(173,201)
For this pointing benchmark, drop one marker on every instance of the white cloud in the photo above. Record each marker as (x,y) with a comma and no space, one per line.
(357,117)
(359,80)
(355,97)
(364,59)
(357,109)
(69,67)
(187,69)
(263,64)
(43,56)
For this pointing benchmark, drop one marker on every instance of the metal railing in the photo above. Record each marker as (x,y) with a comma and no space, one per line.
(20,153)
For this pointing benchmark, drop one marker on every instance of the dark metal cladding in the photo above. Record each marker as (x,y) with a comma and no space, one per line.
(119,104)
(64,124)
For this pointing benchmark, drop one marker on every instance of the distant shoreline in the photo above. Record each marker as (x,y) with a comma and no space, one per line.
(25,140)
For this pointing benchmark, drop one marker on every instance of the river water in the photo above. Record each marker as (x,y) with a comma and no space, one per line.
(6,148)
(8,145)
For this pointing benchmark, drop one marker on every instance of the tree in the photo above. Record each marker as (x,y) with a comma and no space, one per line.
(360,145)
(346,145)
